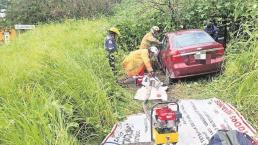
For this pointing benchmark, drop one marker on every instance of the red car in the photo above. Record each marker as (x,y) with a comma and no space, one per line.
(189,53)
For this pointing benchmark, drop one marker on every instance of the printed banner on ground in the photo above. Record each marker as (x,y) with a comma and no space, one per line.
(134,129)
(201,119)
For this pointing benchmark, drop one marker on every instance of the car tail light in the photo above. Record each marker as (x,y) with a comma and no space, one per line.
(220,51)
(176,57)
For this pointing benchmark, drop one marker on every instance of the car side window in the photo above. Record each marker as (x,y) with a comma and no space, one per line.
(164,43)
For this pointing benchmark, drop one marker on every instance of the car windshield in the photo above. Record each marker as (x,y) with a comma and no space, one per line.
(192,38)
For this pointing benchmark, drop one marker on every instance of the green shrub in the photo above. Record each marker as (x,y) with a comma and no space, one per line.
(42,11)
(135,18)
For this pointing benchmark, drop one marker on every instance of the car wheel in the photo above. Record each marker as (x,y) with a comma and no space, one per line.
(167,78)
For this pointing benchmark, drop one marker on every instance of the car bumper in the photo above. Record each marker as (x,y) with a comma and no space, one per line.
(182,70)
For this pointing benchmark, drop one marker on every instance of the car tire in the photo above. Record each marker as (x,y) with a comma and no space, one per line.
(160,66)
(167,80)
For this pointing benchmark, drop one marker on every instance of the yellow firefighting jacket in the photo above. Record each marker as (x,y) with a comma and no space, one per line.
(148,40)
(137,61)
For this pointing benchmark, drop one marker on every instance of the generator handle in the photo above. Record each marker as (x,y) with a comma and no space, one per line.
(152,108)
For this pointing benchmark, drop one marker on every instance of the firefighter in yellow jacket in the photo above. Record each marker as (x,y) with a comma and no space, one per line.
(150,38)
(136,63)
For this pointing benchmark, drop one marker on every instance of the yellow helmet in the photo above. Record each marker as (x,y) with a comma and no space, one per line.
(115,30)
(154,29)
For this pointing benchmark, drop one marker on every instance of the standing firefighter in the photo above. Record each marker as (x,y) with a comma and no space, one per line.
(150,38)
(136,63)
(111,46)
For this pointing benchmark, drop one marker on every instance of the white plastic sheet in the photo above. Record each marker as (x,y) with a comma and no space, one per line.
(155,93)
(151,92)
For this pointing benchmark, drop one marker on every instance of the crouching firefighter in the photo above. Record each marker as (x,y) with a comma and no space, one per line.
(111,46)
(136,62)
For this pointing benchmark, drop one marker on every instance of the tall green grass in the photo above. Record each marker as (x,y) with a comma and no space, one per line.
(56,86)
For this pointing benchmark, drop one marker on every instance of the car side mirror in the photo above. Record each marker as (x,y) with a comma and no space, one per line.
(221,40)
(163,40)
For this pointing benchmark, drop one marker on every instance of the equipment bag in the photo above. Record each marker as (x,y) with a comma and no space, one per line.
(231,137)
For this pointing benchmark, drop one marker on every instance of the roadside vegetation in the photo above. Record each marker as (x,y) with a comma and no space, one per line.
(238,84)
(56,86)
(48,11)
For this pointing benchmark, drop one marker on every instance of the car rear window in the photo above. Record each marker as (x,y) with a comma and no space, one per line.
(192,38)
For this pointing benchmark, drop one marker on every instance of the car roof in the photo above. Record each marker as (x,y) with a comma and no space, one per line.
(183,32)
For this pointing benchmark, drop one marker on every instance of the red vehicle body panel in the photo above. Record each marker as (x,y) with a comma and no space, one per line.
(185,61)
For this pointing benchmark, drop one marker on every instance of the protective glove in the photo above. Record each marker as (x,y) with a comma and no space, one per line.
(151,74)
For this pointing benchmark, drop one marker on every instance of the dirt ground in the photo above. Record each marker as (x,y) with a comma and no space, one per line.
(189,88)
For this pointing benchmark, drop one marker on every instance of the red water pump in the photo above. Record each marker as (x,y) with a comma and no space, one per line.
(166,118)
(164,122)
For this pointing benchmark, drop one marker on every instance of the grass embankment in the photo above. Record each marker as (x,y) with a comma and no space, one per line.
(55,83)
(239,82)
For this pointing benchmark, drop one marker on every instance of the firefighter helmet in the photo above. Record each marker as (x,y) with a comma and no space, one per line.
(115,30)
